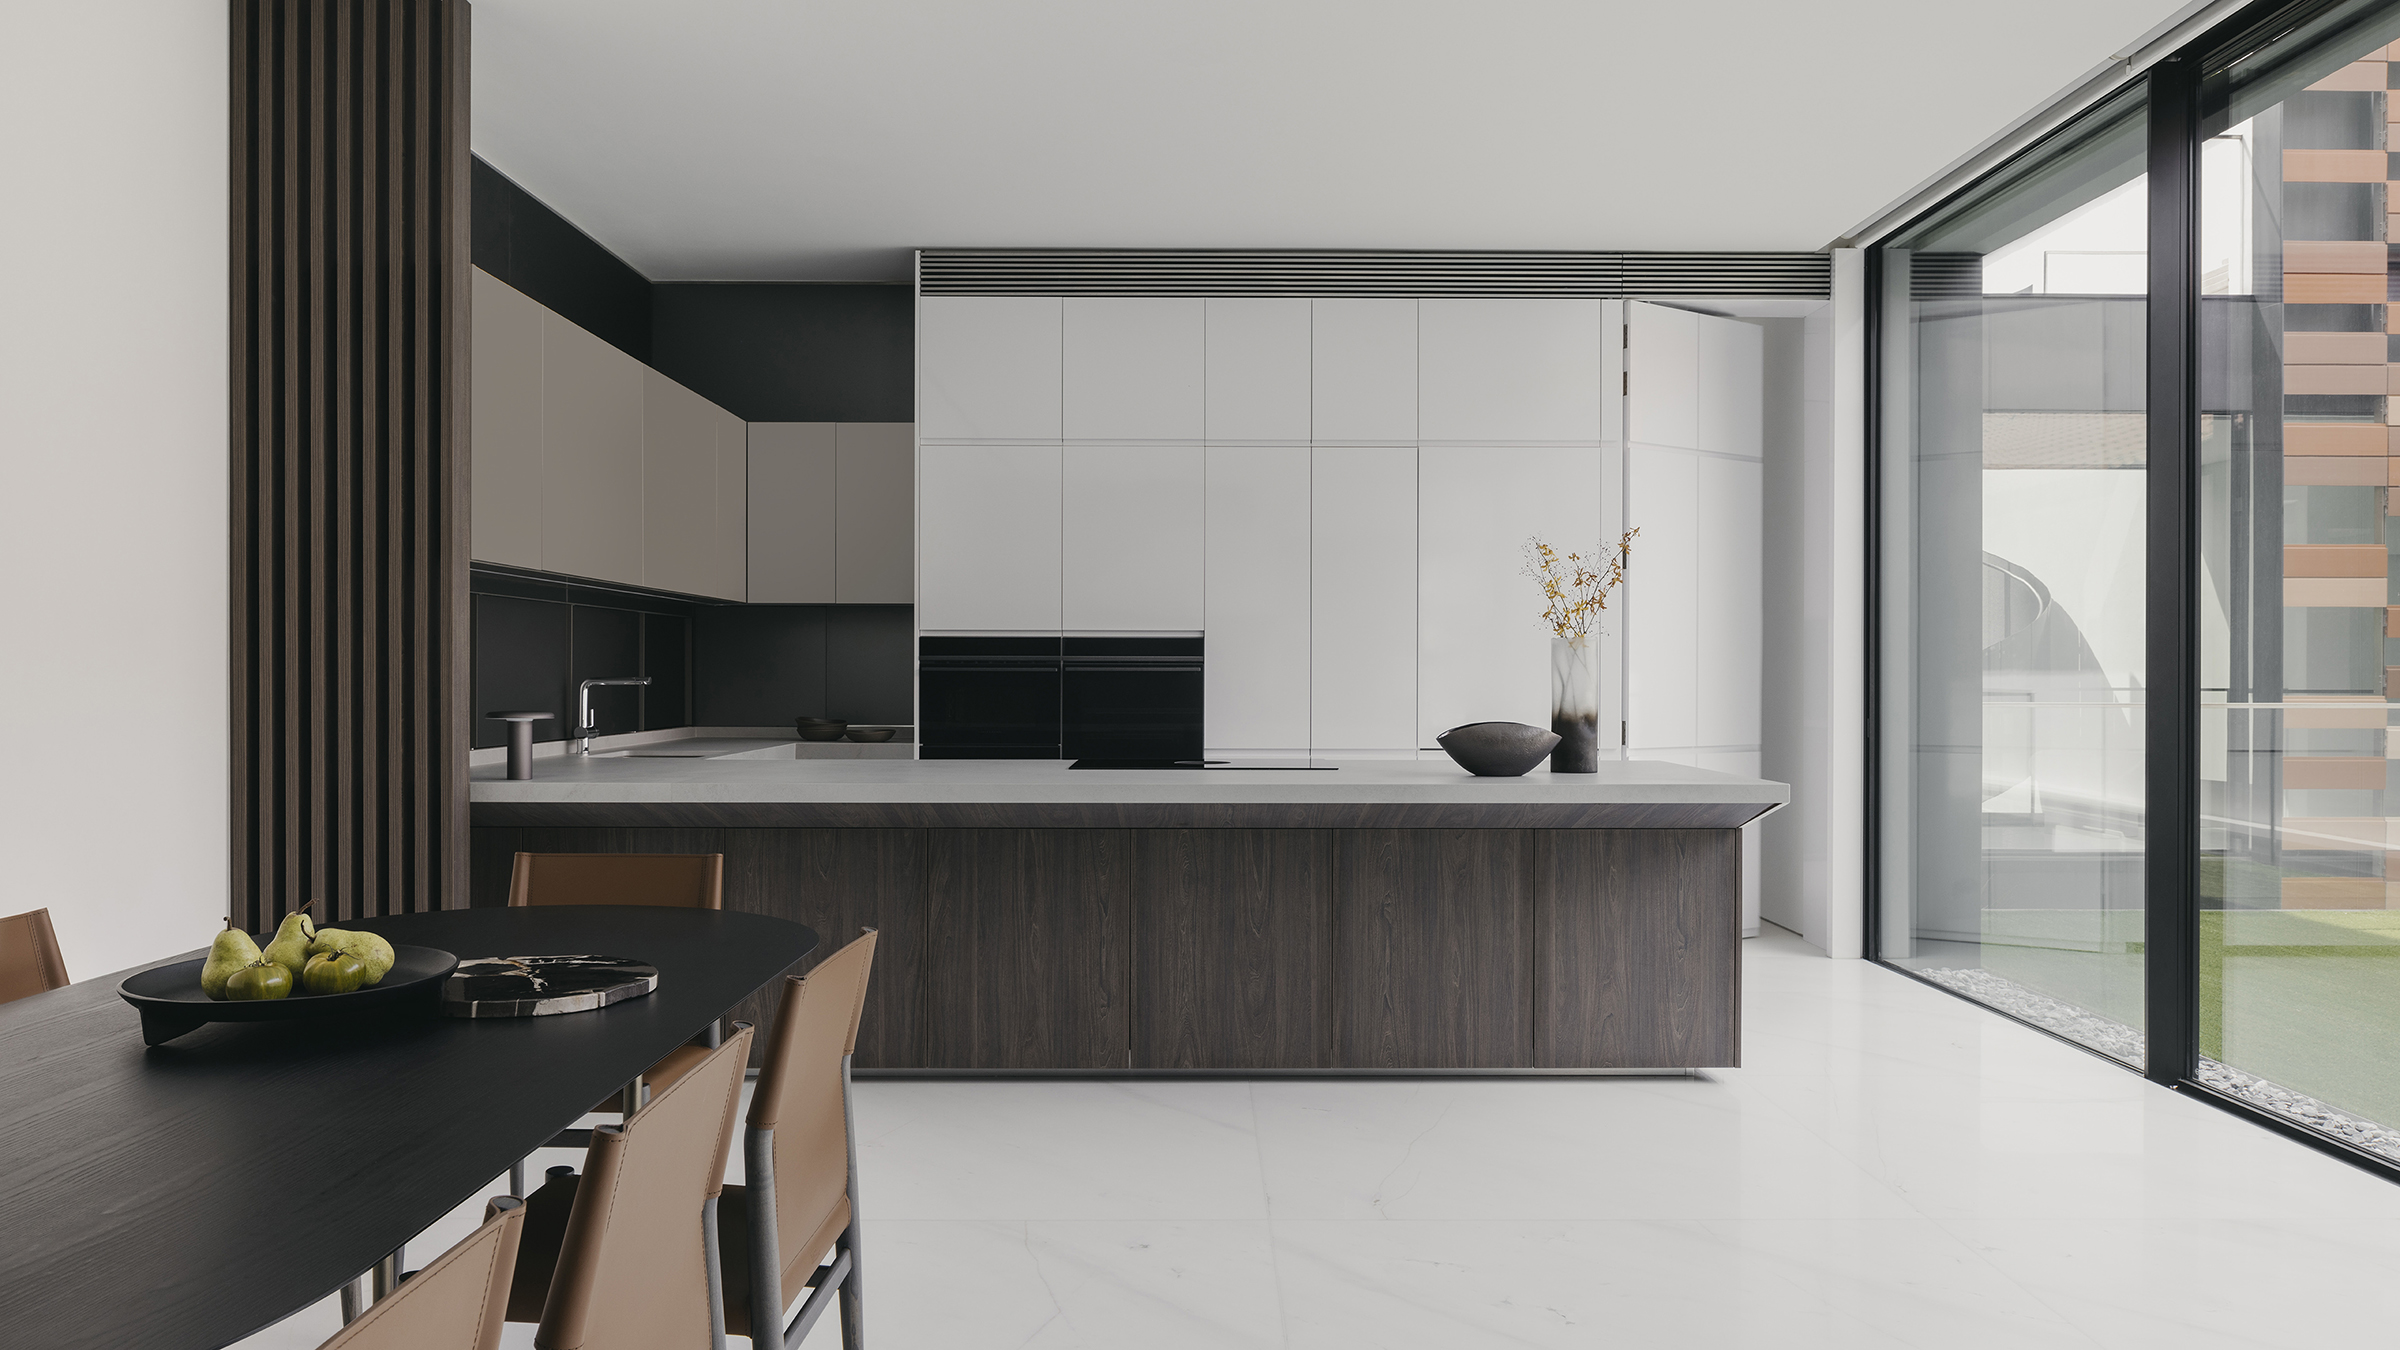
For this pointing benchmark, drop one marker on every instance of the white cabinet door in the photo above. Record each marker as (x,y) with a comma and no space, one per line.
(730,569)
(988,538)
(1135,368)
(1364,383)
(1483,650)
(1732,383)
(1134,538)
(679,488)
(1363,598)
(875,534)
(591,456)
(1662,359)
(793,509)
(506,415)
(1258,597)
(1258,370)
(1661,602)
(988,367)
(1728,621)
(1508,370)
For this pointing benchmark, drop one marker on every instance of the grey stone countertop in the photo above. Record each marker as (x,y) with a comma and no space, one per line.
(1428,781)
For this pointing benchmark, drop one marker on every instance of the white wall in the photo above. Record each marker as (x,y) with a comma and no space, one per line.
(113,476)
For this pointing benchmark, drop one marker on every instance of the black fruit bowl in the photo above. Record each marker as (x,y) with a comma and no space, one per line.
(821,729)
(170,1002)
(1497,749)
(870,735)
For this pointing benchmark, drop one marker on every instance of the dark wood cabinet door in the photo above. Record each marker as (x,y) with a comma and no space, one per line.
(1027,934)
(1232,949)
(1640,934)
(836,882)
(1432,948)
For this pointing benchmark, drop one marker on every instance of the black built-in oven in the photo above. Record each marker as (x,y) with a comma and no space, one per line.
(987,697)
(1132,700)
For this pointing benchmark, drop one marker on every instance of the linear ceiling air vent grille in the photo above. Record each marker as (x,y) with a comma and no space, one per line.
(1293,272)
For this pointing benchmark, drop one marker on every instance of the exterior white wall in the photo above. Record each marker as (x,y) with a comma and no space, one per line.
(113,476)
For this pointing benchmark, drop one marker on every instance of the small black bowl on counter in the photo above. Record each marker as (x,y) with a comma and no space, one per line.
(870,735)
(822,729)
(1497,749)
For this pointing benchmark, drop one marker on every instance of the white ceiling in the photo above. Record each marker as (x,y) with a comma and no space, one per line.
(789,140)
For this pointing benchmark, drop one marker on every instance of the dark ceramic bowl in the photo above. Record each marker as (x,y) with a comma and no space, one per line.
(870,735)
(1497,749)
(821,729)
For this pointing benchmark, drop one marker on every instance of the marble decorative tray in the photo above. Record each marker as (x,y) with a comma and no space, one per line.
(539,986)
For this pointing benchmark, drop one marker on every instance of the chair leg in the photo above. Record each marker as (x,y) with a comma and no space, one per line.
(852,1304)
(516,1178)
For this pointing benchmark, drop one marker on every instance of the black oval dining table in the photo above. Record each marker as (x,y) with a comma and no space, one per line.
(190,1194)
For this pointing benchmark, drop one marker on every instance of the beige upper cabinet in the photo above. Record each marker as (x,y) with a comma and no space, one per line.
(833,513)
(793,472)
(590,464)
(506,411)
(875,486)
(592,479)
(679,477)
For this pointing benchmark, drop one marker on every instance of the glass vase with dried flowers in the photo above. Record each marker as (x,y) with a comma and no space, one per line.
(1575,591)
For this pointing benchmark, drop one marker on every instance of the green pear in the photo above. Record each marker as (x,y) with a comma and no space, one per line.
(260,979)
(290,947)
(232,950)
(367,947)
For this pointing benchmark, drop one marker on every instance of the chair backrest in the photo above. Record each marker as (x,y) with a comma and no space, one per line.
(799,1096)
(29,959)
(633,1266)
(683,880)
(454,1304)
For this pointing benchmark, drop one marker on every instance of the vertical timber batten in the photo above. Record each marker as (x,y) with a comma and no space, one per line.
(349,490)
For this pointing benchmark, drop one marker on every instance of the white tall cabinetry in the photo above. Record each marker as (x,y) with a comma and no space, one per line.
(1337,492)
(1693,479)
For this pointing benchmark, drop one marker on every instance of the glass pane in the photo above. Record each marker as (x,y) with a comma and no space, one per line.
(2300,822)
(2012,623)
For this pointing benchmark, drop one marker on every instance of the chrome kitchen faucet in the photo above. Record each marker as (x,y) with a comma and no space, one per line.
(584,726)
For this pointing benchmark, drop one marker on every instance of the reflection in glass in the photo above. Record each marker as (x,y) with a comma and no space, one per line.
(2013,620)
(2299,940)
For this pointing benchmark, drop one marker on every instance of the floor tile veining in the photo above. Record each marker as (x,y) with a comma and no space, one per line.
(1892,1167)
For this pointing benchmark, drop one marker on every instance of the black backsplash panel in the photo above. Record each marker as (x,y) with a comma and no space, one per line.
(763,665)
(790,352)
(667,660)
(520,664)
(608,645)
(760,665)
(870,664)
(715,665)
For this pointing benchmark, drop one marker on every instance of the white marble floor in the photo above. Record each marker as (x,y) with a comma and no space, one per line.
(1891,1167)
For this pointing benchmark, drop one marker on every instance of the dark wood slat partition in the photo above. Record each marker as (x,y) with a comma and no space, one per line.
(349,455)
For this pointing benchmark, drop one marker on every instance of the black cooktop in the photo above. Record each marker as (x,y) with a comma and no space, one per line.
(1235,765)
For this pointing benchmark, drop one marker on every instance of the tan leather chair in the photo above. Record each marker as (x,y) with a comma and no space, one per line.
(623,1255)
(29,959)
(683,880)
(675,880)
(454,1304)
(801,1193)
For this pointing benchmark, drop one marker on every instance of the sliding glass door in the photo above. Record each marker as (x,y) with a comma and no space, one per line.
(2012,599)
(2023,332)
(2298,985)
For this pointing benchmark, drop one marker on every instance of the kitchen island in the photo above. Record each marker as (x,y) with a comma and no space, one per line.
(1392,916)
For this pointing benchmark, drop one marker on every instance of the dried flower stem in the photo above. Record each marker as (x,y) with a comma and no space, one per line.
(1575,588)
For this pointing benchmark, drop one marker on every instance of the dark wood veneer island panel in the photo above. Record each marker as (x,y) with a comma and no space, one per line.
(1216,949)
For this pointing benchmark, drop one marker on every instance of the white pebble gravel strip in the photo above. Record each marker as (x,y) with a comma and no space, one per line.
(2114,1038)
